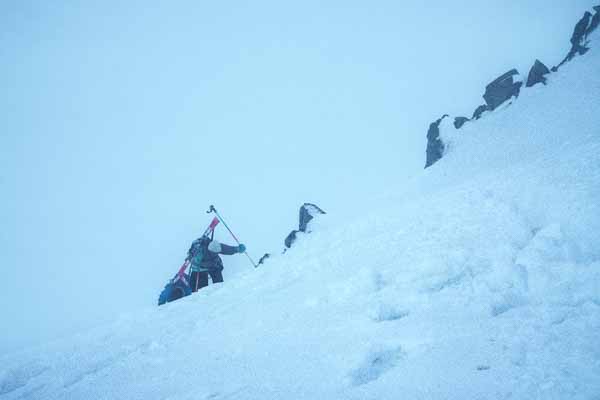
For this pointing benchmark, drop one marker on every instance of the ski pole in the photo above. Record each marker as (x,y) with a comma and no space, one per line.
(213,209)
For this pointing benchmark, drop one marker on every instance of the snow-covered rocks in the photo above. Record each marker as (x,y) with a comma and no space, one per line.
(508,86)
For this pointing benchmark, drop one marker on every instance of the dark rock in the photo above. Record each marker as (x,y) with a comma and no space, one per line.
(435,147)
(263,258)
(502,89)
(580,32)
(581,28)
(307,213)
(595,22)
(536,74)
(479,110)
(505,87)
(460,121)
(290,239)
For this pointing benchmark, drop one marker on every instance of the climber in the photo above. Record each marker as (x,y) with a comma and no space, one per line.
(204,258)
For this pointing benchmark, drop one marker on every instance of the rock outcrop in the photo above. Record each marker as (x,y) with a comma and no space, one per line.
(307,213)
(460,121)
(586,25)
(501,89)
(506,87)
(479,110)
(537,74)
(264,258)
(435,147)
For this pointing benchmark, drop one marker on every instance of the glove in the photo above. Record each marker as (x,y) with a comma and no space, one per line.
(241,248)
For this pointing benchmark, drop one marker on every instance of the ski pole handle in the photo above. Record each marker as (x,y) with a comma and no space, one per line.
(213,209)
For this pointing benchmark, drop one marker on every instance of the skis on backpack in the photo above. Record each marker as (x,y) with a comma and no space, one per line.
(179,286)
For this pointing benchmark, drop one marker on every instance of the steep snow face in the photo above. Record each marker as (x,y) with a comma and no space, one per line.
(481,280)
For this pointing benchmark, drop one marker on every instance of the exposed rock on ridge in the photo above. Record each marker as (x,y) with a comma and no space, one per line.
(506,87)
(435,147)
(537,74)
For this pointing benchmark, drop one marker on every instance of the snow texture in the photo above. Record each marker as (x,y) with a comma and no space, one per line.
(480,280)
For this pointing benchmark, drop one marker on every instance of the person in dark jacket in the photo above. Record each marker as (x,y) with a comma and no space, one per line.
(204,259)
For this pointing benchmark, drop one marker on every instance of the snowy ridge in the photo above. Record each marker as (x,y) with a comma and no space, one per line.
(501,93)
(480,280)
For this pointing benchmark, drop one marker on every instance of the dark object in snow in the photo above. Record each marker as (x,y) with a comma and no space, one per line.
(595,21)
(583,28)
(505,87)
(290,239)
(263,258)
(501,89)
(307,213)
(537,74)
(479,110)
(580,32)
(435,146)
(460,121)
(483,367)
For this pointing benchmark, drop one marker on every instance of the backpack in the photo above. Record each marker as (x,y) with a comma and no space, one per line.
(201,258)
(198,249)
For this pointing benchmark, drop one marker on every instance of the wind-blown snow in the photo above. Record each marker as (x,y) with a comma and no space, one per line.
(481,280)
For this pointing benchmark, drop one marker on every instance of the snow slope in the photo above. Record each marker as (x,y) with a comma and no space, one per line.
(479,280)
